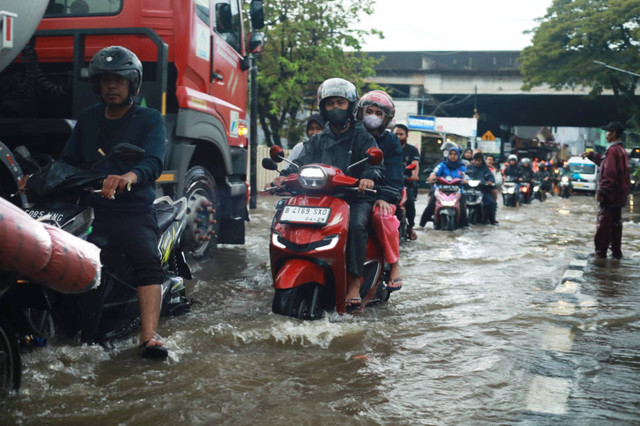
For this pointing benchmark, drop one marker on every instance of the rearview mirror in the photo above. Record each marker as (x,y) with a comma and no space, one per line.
(256,43)
(276,153)
(126,150)
(375,156)
(257,14)
(269,164)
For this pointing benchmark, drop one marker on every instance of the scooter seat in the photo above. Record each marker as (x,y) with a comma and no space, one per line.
(168,210)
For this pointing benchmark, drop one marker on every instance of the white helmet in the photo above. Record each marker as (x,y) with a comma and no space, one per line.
(512,157)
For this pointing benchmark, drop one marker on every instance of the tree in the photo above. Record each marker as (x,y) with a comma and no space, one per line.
(572,35)
(305,43)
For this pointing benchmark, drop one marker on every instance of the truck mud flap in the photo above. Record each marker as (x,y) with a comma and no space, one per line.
(231,230)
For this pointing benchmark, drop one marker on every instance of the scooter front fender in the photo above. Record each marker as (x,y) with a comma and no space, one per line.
(297,272)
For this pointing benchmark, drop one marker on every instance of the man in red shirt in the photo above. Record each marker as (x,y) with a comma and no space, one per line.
(613,190)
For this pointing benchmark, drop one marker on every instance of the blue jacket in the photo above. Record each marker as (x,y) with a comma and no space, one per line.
(140,126)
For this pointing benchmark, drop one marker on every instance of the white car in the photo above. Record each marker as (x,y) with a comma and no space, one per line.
(584,174)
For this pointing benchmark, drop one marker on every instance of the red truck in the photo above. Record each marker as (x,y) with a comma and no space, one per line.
(195,73)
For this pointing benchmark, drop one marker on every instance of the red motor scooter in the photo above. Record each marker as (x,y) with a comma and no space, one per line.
(308,242)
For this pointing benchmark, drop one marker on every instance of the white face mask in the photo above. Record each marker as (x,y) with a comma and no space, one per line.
(372,122)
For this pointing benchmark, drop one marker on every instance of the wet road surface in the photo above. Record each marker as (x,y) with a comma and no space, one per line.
(486,330)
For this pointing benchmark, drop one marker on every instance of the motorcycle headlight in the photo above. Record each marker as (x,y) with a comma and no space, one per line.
(448,203)
(312,177)
(536,188)
(565,179)
(511,190)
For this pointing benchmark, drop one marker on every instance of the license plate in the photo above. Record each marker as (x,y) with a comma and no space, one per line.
(301,214)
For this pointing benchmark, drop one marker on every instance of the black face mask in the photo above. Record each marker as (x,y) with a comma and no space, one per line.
(338,117)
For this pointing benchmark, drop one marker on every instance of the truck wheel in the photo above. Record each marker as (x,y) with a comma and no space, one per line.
(203,213)
(10,368)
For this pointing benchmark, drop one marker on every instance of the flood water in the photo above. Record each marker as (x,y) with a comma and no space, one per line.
(481,333)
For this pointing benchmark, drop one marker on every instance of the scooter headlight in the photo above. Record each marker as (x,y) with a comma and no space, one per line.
(312,177)
(511,190)
(536,188)
(448,203)
(565,179)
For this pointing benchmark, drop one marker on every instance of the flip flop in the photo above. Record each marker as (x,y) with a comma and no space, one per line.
(354,303)
(412,235)
(153,352)
(395,285)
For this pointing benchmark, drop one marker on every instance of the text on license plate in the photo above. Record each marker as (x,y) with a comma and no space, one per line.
(300,214)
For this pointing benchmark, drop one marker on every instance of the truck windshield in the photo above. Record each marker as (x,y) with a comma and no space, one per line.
(588,169)
(74,8)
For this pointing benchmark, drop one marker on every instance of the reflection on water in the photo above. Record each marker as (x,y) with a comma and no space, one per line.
(462,343)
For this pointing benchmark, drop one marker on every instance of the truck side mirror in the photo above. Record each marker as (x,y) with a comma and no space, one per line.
(256,42)
(257,14)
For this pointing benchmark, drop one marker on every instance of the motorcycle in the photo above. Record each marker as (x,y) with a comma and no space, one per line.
(308,242)
(565,187)
(54,195)
(509,192)
(538,193)
(475,208)
(447,213)
(526,192)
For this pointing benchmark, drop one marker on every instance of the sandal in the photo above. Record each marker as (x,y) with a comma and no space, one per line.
(412,235)
(394,285)
(353,304)
(157,351)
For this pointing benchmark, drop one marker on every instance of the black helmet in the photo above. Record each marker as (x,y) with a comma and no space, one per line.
(337,87)
(117,60)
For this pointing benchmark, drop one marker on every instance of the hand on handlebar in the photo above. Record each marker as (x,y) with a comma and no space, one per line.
(365,184)
(277,182)
(117,183)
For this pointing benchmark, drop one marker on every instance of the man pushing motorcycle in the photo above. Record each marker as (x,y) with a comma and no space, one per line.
(124,215)
(343,142)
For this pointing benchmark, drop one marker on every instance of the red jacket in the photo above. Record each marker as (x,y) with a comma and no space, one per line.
(615,178)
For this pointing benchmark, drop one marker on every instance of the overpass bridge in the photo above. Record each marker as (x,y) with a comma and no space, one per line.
(454,83)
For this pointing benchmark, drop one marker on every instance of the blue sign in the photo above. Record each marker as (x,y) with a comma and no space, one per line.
(421,122)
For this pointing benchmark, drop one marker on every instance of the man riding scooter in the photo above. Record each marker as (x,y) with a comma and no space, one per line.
(343,142)
(478,170)
(513,173)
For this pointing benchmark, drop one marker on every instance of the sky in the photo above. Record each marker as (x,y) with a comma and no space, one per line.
(413,25)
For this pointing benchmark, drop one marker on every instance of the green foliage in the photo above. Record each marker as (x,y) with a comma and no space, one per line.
(305,43)
(572,35)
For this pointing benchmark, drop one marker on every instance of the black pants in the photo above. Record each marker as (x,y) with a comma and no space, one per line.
(609,231)
(410,205)
(359,216)
(136,235)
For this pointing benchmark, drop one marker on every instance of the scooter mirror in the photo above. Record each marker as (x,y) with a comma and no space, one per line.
(375,156)
(269,164)
(127,150)
(276,153)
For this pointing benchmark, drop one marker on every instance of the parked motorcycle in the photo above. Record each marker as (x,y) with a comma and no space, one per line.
(447,213)
(308,243)
(54,194)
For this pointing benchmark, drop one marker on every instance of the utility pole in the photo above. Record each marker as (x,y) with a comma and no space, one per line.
(253,133)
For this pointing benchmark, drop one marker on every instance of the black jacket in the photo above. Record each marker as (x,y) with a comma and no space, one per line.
(341,150)
(140,126)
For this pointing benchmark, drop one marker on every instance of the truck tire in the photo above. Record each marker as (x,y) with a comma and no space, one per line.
(10,367)
(203,213)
